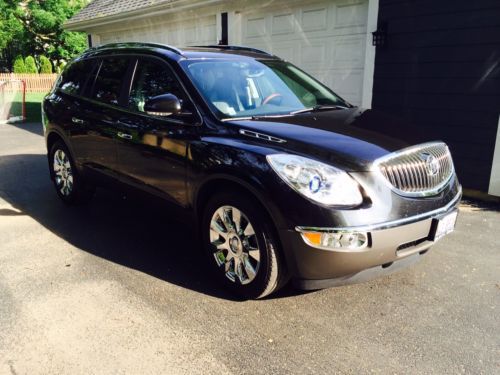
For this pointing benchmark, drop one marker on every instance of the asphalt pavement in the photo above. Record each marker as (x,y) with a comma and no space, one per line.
(117,287)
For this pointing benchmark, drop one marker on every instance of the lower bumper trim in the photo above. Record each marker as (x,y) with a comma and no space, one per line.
(390,224)
(362,276)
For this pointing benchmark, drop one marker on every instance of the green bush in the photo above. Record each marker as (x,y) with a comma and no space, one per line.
(45,65)
(30,65)
(60,67)
(19,67)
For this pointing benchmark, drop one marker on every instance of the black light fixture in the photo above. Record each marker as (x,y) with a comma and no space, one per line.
(224,40)
(380,35)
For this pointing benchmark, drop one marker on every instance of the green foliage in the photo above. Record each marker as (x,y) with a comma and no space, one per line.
(30,64)
(45,65)
(19,66)
(60,67)
(35,27)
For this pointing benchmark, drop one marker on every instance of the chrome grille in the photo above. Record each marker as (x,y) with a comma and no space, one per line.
(419,170)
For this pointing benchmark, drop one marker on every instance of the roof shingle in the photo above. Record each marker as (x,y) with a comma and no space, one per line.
(105,8)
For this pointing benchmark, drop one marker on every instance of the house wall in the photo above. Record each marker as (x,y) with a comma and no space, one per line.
(440,70)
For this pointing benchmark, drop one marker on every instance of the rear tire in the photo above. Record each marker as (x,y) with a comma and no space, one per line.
(241,246)
(70,185)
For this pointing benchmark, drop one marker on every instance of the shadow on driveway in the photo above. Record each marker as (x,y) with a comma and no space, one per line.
(32,127)
(128,231)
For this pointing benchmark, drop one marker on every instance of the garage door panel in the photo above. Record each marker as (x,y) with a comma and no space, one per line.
(348,15)
(256,27)
(315,55)
(283,24)
(349,53)
(314,19)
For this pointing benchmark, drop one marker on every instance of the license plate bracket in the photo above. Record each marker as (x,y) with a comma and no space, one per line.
(443,225)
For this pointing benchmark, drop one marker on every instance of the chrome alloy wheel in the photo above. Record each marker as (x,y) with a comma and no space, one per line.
(235,244)
(63,173)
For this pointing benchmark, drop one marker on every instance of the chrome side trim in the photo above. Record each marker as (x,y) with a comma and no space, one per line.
(387,224)
(265,137)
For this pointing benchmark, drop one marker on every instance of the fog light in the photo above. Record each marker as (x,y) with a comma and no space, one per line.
(336,240)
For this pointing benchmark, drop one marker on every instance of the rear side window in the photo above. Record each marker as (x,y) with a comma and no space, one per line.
(76,76)
(109,81)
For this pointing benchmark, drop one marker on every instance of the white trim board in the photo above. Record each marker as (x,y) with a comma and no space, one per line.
(369,70)
(494,188)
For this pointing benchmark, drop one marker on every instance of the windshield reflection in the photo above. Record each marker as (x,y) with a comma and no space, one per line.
(251,88)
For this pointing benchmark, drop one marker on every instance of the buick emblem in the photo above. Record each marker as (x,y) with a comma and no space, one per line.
(431,164)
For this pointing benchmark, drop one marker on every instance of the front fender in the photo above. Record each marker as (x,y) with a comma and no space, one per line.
(238,162)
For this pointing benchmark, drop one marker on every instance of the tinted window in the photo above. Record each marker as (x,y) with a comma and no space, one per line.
(152,79)
(108,84)
(74,78)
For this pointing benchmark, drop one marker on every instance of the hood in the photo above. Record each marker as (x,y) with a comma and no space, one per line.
(347,138)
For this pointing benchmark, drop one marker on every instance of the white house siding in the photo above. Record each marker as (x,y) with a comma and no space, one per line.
(200,30)
(328,39)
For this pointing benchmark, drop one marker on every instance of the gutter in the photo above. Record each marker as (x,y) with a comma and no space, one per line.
(153,10)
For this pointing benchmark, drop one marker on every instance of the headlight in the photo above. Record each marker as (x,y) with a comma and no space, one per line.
(317,181)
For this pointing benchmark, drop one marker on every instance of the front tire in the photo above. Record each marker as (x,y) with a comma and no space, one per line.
(241,246)
(70,186)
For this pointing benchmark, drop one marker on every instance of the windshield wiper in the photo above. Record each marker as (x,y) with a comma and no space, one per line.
(318,108)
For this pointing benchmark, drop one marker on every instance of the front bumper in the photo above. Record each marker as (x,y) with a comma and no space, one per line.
(392,245)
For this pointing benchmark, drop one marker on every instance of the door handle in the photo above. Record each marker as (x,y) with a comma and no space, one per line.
(124,135)
(76,120)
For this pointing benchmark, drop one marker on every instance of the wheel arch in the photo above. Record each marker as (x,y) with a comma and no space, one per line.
(55,135)
(220,182)
(52,138)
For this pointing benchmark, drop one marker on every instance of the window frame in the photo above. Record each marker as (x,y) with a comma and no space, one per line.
(122,92)
(138,57)
(85,83)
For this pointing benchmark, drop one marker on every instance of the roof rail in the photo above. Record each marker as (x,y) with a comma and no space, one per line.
(140,44)
(235,48)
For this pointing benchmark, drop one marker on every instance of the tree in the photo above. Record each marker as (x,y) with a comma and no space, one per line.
(45,65)
(35,27)
(30,64)
(10,33)
(19,66)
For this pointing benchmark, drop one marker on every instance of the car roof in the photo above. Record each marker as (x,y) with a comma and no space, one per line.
(176,53)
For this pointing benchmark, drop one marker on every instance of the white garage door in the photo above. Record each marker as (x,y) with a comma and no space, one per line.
(199,31)
(326,39)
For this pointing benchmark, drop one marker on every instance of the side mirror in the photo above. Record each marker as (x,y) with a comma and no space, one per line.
(163,105)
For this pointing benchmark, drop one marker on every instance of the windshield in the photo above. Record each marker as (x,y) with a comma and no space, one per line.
(235,89)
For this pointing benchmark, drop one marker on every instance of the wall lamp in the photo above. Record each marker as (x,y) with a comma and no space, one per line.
(380,35)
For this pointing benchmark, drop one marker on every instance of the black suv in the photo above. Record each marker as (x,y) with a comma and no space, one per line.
(282,177)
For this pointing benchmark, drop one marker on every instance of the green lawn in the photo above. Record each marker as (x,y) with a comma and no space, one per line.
(33,109)
(33,102)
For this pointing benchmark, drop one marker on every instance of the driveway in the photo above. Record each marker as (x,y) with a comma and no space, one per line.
(117,287)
